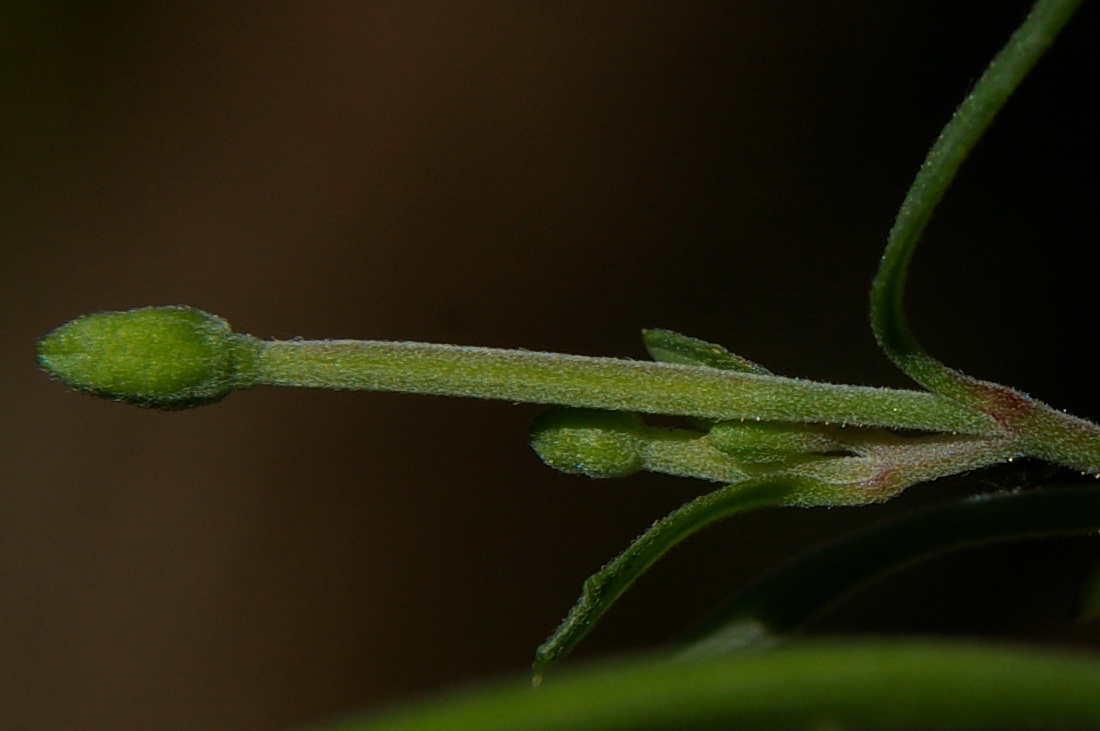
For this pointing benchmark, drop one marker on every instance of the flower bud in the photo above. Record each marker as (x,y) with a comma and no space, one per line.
(770,441)
(590,442)
(158,357)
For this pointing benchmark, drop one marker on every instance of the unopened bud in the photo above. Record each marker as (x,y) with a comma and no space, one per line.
(764,441)
(158,357)
(590,442)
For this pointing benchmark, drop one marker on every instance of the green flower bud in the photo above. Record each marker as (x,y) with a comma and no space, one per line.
(770,441)
(158,357)
(590,442)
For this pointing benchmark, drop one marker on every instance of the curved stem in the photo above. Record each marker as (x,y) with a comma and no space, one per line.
(1043,431)
(969,122)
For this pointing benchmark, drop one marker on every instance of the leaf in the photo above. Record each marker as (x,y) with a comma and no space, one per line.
(666,346)
(884,684)
(789,598)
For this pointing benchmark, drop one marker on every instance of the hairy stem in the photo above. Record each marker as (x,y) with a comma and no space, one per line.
(966,126)
(885,471)
(604,383)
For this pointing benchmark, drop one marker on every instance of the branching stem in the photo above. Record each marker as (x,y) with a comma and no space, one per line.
(177,357)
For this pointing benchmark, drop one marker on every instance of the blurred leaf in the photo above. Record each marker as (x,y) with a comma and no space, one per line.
(792,596)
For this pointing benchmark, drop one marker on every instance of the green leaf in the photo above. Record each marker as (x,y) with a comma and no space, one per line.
(910,686)
(603,588)
(792,596)
(667,346)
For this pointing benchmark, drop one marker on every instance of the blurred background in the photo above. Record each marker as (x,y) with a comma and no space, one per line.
(550,176)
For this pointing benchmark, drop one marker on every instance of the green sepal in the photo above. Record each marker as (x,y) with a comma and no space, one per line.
(771,441)
(666,346)
(590,442)
(157,357)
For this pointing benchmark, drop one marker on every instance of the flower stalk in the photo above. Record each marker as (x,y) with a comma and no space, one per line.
(771,440)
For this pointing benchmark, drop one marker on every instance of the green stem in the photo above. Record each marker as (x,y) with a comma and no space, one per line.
(888,469)
(958,138)
(1047,433)
(603,383)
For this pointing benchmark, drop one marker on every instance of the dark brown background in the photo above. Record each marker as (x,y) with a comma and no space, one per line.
(543,175)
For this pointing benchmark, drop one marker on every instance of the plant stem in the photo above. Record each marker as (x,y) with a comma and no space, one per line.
(885,470)
(1047,433)
(604,383)
(966,126)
